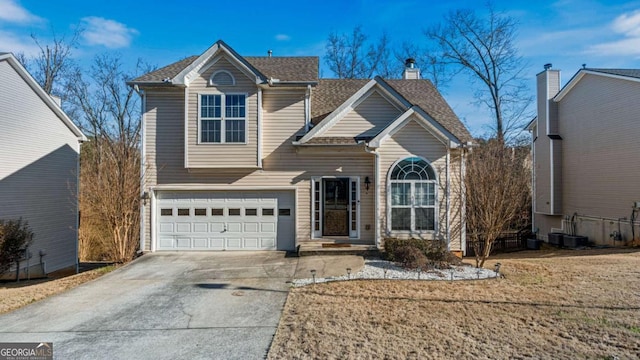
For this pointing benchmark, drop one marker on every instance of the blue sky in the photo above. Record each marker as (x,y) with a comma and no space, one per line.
(567,33)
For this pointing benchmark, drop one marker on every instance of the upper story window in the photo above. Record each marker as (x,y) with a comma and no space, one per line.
(223,118)
(222,78)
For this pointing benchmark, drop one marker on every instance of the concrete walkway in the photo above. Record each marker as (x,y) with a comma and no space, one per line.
(223,305)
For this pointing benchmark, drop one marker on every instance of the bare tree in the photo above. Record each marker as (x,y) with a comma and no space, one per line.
(483,47)
(108,111)
(350,56)
(53,60)
(497,194)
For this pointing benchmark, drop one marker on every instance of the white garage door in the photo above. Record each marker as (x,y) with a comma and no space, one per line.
(224,220)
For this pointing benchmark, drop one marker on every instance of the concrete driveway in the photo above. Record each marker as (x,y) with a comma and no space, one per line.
(223,305)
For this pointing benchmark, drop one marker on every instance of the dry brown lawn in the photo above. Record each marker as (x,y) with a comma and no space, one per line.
(14,295)
(552,304)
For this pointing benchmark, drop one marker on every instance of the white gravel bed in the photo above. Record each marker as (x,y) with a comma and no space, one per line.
(382,269)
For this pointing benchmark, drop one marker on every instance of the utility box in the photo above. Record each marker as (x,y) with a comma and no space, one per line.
(574,241)
(533,244)
(556,239)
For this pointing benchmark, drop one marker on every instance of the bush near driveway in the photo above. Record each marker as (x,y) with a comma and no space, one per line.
(15,237)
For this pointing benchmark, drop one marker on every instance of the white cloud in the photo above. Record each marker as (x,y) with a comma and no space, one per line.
(109,33)
(283,37)
(627,25)
(10,42)
(10,11)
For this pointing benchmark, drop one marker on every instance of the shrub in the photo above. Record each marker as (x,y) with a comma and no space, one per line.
(434,251)
(15,236)
(410,257)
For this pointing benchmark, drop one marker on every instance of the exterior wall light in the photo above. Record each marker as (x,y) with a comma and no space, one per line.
(367,183)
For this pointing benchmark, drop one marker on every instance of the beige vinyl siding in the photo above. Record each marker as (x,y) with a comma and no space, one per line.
(38,170)
(600,130)
(545,223)
(205,155)
(283,164)
(367,119)
(415,140)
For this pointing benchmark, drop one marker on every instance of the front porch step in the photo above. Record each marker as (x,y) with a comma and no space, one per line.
(330,248)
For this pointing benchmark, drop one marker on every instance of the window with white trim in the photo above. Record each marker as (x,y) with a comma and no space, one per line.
(412,183)
(223,118)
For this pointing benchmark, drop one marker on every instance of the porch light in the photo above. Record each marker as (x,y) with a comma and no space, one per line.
(367,183)
(144,197)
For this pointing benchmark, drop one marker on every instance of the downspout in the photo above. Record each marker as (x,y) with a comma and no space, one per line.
(77,210)
(447,195)
(143,161)
(463,202)
(259,152)
(307,110)
(376,185)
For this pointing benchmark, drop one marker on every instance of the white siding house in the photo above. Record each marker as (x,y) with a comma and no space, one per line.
(39,149)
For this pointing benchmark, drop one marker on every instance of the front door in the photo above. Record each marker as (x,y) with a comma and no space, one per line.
(336,207)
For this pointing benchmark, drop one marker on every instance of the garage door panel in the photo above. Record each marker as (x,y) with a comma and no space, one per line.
(234,243)
(251,243)
(183,227)
(200,227)
(200,243)
(183,242)
(267,227)
(166,227)
(234,220)
(216,243)
(251,227)
(268,243)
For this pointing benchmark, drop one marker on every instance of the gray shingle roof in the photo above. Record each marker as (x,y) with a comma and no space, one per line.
(168,71)
(634,73)
(423,94)
(284,68)
(331,93)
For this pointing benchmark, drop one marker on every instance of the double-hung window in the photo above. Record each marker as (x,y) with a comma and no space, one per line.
(223,118)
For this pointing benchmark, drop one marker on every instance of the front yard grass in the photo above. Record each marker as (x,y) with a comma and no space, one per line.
(560,304)
(14,295)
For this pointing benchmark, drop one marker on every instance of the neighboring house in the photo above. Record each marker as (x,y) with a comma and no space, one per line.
(585,154)
(246,153)
(39,150)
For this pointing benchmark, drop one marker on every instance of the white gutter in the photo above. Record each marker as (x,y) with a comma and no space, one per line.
(77,208)
(463,210)
(307,110)
(143,161)
(186,128)
(448,201)
(376,187)
(259,128)
(153,219)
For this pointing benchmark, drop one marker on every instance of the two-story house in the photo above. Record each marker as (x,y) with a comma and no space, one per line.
(39,154)
(585,155)
(251,153)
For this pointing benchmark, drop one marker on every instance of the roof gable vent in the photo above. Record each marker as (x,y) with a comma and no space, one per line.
(222,78)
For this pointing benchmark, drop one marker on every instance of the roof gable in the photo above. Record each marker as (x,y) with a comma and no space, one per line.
(622,74)
(377,84)
(211,56)
(424,120)
(33,84)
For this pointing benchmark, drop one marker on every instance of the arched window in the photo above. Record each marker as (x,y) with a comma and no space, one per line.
(222,78)
(412,196)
